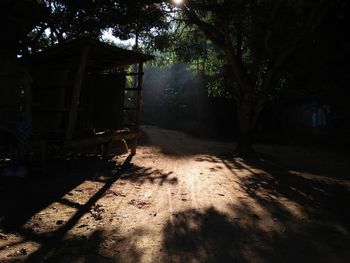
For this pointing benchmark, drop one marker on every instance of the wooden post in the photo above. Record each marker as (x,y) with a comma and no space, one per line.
(134,146)
(139,96)
(27,94)
(73,112)
(138,107)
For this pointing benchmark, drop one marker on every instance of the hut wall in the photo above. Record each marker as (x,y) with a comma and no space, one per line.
(102,101)
(49,91)
(10,87)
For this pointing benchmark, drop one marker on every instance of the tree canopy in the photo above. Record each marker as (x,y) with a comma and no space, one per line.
(57,20)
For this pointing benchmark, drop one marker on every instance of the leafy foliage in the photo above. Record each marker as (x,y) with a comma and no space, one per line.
(64,19)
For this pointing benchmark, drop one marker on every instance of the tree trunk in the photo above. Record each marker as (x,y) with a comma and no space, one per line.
(245,144)
(245,116)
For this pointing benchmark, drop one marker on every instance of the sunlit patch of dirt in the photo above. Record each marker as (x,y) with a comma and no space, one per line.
(182,199)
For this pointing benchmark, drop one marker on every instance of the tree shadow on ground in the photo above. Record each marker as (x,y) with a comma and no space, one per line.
(102,246)
(284,217)
(141,175)
(20,199)
(97,247)
(212,236)
(319,196)
(23,199)
(209,236)
(307,159)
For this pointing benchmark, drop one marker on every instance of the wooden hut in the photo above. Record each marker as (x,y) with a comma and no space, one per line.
(76,93)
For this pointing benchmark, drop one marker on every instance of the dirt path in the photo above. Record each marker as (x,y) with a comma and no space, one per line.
(183,200)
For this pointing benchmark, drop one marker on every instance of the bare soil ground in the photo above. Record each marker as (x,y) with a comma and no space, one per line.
(181,199)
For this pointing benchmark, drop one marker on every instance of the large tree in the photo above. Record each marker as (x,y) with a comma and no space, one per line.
(258,38)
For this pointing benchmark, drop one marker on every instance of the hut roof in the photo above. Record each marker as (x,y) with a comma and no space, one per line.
(101,55)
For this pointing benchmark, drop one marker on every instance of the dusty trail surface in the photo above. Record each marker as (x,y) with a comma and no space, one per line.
(182,199)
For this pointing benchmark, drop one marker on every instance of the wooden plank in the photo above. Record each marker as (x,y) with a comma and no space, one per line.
(73,113)
(130,125)
(87,142)
(102,139)
(133,74)
(38,109)
(50,86)
(125,136)
(132,89)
